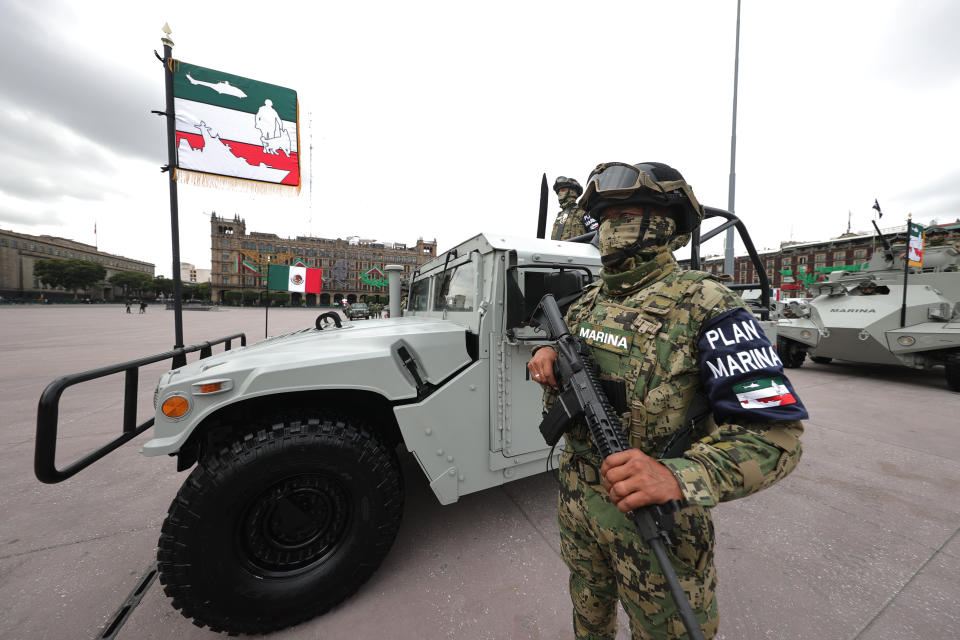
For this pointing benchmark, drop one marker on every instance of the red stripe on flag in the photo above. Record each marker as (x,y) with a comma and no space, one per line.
(314,281)
(253,154)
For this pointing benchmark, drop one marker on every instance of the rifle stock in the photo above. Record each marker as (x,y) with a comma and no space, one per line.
(582,396)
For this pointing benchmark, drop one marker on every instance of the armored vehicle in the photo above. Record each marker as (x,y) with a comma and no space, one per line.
(296,493)
(872,316)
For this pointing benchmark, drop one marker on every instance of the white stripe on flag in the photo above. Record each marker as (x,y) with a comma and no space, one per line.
(297,279)
(228,124)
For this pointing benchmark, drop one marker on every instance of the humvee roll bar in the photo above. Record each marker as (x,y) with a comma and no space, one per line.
(697,239)
(44,460)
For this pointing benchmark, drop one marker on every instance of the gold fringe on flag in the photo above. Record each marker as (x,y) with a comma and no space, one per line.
(215,181)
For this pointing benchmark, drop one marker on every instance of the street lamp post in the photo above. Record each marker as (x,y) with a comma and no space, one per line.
(728,253)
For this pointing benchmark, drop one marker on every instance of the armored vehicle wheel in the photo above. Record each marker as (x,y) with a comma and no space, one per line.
(821,359)
(791,353)
(280,525)
(952,364)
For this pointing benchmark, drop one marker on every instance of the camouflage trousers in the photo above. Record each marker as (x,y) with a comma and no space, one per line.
(608,560)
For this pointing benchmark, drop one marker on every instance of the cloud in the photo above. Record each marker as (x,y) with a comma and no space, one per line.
(921,48)
(939,198)
(13,216)
(99,101)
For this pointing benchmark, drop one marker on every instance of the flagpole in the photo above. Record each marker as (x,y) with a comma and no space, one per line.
(168,63)
(906,273)
(266,306)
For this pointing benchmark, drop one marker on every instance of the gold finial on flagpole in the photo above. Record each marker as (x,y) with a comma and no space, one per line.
(166,40)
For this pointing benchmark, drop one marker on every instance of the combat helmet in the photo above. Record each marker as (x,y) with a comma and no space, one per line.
(614,183)
(563,182)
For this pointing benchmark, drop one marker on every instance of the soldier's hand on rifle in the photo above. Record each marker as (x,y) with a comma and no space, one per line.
(541,367)
(633,479)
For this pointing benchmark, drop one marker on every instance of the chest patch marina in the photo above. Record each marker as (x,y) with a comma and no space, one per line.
(607,338)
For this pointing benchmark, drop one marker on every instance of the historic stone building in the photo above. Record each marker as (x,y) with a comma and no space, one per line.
(797,263)
(20,251)
(352,269)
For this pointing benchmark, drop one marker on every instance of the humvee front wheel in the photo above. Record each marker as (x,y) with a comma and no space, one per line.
(281,525)
(952,365)
(791,353)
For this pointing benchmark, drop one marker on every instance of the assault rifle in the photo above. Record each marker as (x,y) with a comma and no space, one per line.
(581,396)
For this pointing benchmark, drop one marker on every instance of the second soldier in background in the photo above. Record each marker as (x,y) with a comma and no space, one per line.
(572,221)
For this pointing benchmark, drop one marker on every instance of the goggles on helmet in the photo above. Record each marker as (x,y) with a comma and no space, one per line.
(614,182)
(618,178)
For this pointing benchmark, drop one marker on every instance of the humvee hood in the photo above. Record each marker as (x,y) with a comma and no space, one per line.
(438,346)
(365,356)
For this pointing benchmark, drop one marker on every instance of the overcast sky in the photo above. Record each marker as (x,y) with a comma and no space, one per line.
(437,119)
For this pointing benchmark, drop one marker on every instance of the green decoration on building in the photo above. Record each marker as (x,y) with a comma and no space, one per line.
(374,277)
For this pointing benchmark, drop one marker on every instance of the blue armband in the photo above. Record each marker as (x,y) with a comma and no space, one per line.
(742,374)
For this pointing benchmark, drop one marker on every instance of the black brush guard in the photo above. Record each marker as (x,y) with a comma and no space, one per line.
(44,459)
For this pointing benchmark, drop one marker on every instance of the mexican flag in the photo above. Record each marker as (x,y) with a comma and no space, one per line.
(915,245)
(763,393)
(298,279)
(235,131)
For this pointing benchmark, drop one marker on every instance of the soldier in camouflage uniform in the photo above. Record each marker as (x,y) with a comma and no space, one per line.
(570,222)
(670,345)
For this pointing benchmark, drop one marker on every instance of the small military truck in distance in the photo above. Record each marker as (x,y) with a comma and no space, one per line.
(863,316)
(358,311)
(295,493)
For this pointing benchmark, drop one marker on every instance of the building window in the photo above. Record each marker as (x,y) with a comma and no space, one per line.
(839,255)
(860,253)
(225,256)
(802,260)
(786,262)
(226,279)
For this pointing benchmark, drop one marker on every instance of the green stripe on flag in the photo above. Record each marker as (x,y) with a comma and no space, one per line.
(224,89)
(278,277)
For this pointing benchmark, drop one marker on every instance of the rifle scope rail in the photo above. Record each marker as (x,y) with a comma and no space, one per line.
(44,460)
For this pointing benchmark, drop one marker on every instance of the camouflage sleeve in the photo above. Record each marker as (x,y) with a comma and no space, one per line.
(758,411)
(737,460)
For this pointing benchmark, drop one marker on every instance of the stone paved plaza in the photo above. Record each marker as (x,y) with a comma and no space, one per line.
(859,543)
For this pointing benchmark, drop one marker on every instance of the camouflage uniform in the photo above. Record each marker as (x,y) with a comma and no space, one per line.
(569,222)
(643,322)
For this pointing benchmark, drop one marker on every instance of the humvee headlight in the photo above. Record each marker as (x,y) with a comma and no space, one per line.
(175,407)
(906,341)
(806,333)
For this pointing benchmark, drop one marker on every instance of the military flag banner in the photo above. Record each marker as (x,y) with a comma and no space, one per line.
(296,279)
(235,132)
(915,245)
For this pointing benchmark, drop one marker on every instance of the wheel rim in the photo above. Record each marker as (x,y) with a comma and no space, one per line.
(294,525)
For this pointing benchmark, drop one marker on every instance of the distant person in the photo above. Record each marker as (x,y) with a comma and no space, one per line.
(572,221)
(143,306)
(128,306)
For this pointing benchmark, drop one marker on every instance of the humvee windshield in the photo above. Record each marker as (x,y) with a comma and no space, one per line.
(420,295)
(457,289)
